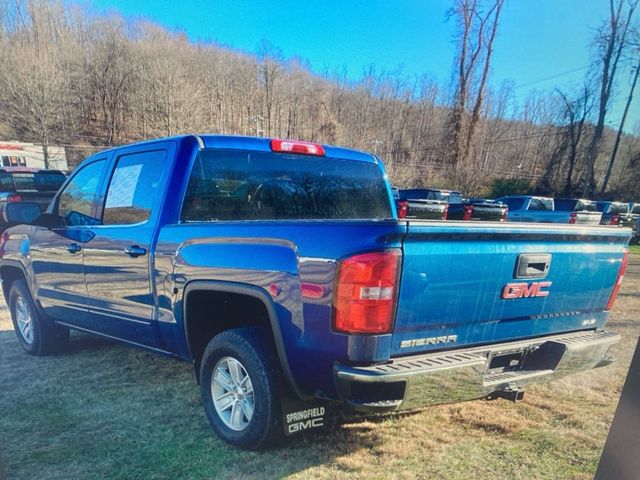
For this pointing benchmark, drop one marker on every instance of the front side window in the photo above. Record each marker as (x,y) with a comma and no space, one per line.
(133,188)
(76,200)
(240,185)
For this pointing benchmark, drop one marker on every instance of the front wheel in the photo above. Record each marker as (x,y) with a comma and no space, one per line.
(36,335)
(239,382)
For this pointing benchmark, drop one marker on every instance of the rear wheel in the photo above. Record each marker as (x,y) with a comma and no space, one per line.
(239,382)
(36,335)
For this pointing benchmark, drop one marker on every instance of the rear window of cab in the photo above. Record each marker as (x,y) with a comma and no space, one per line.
(247,185)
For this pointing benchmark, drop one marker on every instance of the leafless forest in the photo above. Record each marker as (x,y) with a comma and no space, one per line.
(84,80)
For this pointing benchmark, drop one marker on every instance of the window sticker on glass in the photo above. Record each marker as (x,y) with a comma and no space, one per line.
(123,186)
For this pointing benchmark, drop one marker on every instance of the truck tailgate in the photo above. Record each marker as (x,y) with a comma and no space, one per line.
(454,277)
(488,211)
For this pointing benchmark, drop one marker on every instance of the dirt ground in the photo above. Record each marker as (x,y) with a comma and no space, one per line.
(106,411)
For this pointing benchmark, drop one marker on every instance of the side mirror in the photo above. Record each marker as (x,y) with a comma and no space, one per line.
(21,212)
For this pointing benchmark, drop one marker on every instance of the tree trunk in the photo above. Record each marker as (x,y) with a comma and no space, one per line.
(619,134)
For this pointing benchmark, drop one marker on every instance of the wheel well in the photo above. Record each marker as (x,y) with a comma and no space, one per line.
(9,275)
(209,312)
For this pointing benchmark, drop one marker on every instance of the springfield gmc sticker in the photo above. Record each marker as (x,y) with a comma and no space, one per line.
(304,420)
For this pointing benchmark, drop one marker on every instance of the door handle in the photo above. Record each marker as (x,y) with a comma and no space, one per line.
(135,251)
(73,248)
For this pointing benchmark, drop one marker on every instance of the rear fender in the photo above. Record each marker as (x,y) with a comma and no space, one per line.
(260,268)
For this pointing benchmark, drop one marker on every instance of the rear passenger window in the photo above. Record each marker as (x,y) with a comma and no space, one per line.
(241,185)
(133,188)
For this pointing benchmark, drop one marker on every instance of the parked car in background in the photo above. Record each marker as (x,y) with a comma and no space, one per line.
(527,208)
(23,184)
(580,210)
(458,207)
(618,213)
(487,209)
(419,208)
(524,208)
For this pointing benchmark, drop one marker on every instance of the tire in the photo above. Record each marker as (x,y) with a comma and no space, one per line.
(36,335)
(249,352)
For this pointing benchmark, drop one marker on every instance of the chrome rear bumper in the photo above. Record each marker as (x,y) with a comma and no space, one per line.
(466,374)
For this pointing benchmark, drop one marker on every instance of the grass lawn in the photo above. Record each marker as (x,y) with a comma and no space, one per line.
(106,411)
(634,249)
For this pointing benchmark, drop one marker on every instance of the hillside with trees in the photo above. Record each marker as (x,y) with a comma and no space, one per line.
(87,81)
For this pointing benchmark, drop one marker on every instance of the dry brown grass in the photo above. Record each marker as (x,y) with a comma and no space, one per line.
(105,411)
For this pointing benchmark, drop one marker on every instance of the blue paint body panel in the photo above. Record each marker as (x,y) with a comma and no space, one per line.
(452,284)
(453,273)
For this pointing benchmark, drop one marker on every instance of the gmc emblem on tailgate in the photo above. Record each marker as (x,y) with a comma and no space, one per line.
(525,290)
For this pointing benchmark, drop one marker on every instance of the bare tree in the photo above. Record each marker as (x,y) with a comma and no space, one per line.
(33,96)
(616,144)
(110,70)
(269,72)
(75,77)
(575,114)
(610,43)
(477,32)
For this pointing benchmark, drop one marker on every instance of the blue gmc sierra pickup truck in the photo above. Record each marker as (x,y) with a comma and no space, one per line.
(281,271)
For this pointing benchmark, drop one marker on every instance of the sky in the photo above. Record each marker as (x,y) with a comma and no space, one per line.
(541,44)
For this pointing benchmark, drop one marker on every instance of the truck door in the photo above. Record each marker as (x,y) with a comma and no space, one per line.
(118,258)
(56,252)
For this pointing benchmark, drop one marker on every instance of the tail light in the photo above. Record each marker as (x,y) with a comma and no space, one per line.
(619,279)
(403,208)
(615,219)
(14,198)
(468,210)
(573,217)
(445,212)
(365,293)
(291,146)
